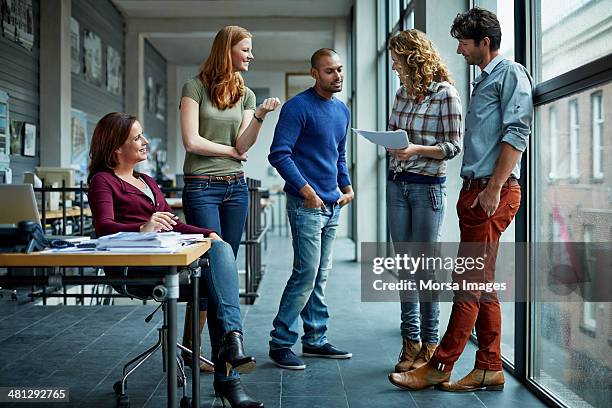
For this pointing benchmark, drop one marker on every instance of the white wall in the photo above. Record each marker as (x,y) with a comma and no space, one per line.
(365,112)
(439,18)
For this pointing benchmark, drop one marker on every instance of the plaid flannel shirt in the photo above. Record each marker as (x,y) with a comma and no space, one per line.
(435,121)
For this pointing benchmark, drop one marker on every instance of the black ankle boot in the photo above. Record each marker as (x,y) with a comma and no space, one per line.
(231,353)
(233,392)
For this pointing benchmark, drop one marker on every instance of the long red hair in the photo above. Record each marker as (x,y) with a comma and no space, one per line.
(225,87)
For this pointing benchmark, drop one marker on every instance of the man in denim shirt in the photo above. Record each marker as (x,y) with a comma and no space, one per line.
(497,126)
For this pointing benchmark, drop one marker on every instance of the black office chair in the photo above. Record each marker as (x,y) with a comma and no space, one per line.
(157,293)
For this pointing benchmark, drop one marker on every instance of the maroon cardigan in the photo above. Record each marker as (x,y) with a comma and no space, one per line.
(118,206)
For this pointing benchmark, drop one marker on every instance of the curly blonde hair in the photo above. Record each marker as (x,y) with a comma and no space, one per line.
(420,62)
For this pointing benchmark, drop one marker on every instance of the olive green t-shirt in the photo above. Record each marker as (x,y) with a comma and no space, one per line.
(219,126)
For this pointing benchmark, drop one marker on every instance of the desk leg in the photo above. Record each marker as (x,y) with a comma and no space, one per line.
(173,288)
(195,344)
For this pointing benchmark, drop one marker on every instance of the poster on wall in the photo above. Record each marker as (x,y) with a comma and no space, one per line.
(113,70)
(75,47)
(17,128)
(18,22)
(80,144)
(93,57)
(29,140)
(160,110)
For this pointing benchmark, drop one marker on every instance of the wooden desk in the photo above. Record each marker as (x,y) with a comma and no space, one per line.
(184,257)
(70,212)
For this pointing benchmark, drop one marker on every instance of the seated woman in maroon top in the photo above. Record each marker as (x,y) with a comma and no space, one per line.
(122,199)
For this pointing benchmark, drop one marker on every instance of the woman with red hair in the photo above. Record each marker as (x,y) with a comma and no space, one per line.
(220,123)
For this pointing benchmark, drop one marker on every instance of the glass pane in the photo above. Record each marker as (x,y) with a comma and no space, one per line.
(409,20)
(504,10)
(572,340)
(571,33)
(394,12)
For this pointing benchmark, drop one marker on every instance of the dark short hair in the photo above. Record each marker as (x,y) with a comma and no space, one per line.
(322,52)
(476,24)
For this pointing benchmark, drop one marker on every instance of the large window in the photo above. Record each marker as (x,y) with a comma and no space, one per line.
(570,351)
(568,43)
(570,33)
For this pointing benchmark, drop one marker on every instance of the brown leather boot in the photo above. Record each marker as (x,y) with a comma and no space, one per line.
(427,350)
(421,378)
(410,349)
(476,380)
(187,341)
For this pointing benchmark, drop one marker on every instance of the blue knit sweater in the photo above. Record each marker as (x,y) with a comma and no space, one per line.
(309,145)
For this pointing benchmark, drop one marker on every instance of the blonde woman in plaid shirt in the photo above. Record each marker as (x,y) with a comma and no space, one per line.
(428,108)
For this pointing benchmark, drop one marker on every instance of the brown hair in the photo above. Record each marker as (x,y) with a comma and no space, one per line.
(420,62)
(225,87)
(476,24)
(110,133)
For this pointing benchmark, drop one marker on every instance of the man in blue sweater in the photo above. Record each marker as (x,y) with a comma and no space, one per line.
(309,152)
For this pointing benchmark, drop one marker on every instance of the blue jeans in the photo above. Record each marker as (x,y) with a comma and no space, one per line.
(222,288)
(220,206)
(415,213)
(313,233)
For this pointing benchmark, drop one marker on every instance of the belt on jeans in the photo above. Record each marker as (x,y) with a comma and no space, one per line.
(196,177)
(481,183)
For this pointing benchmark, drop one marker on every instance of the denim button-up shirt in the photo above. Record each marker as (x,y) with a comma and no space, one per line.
(500,111)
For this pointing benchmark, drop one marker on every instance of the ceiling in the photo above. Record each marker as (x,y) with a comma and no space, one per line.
(190,50)
(284,31)
(233,8)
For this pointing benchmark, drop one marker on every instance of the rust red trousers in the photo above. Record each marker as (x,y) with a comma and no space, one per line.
(474,308)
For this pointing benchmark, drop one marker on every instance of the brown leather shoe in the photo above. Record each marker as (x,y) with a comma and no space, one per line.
(410,349)
(187,341)
(421,378)
(476,380)
(427,350)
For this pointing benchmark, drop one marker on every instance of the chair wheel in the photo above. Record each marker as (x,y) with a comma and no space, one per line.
(185,402)
(123,401)
(117,387)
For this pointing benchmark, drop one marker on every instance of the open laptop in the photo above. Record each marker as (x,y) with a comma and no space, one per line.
(17,203)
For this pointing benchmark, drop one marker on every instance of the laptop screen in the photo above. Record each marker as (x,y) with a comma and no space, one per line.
(17,203)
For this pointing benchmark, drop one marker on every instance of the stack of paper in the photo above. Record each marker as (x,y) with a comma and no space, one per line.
(135,241)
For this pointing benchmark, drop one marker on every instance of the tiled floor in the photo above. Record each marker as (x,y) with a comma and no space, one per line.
(84,348)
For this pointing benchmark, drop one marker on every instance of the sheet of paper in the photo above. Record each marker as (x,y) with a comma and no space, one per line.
(396,139)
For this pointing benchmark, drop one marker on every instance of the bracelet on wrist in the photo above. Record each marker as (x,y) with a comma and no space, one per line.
(260,120)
